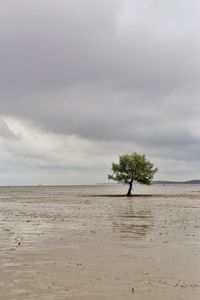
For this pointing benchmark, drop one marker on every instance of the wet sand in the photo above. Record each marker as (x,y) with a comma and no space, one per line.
(89,243)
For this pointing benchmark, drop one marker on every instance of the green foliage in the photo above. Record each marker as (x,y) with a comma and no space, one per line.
(133,167)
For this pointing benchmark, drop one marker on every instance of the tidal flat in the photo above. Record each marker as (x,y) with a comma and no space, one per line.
(88,242)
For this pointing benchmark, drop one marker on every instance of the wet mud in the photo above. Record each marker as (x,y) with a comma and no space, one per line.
(88,243)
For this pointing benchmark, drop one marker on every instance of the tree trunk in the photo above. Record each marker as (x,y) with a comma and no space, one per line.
(130,189)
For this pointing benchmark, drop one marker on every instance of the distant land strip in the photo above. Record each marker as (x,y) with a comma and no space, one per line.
(194,181)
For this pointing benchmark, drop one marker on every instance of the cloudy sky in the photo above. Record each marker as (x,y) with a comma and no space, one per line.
(82,81)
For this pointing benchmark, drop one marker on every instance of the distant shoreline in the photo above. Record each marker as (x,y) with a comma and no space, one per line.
(155,182)
(161,182)
(194,181)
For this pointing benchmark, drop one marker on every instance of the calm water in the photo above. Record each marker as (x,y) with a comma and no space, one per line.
(157,232)
(35,213)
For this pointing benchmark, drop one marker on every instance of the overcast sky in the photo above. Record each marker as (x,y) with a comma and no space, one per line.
(82,81)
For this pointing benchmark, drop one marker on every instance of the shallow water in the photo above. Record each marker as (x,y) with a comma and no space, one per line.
(88,242)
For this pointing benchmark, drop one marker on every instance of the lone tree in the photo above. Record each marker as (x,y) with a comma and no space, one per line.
(133,167)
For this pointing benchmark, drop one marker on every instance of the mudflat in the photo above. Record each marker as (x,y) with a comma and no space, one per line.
(88,242)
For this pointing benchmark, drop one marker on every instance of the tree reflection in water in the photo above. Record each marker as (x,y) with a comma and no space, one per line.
(133,223)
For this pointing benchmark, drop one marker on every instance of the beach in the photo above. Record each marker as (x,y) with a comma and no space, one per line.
(90,242)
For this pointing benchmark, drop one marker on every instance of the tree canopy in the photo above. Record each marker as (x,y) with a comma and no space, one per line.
(133,167)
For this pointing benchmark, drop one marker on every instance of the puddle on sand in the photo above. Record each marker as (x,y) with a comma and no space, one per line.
(133,224)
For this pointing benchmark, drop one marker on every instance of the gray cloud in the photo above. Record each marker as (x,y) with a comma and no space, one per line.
(5,132)
(106,71)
